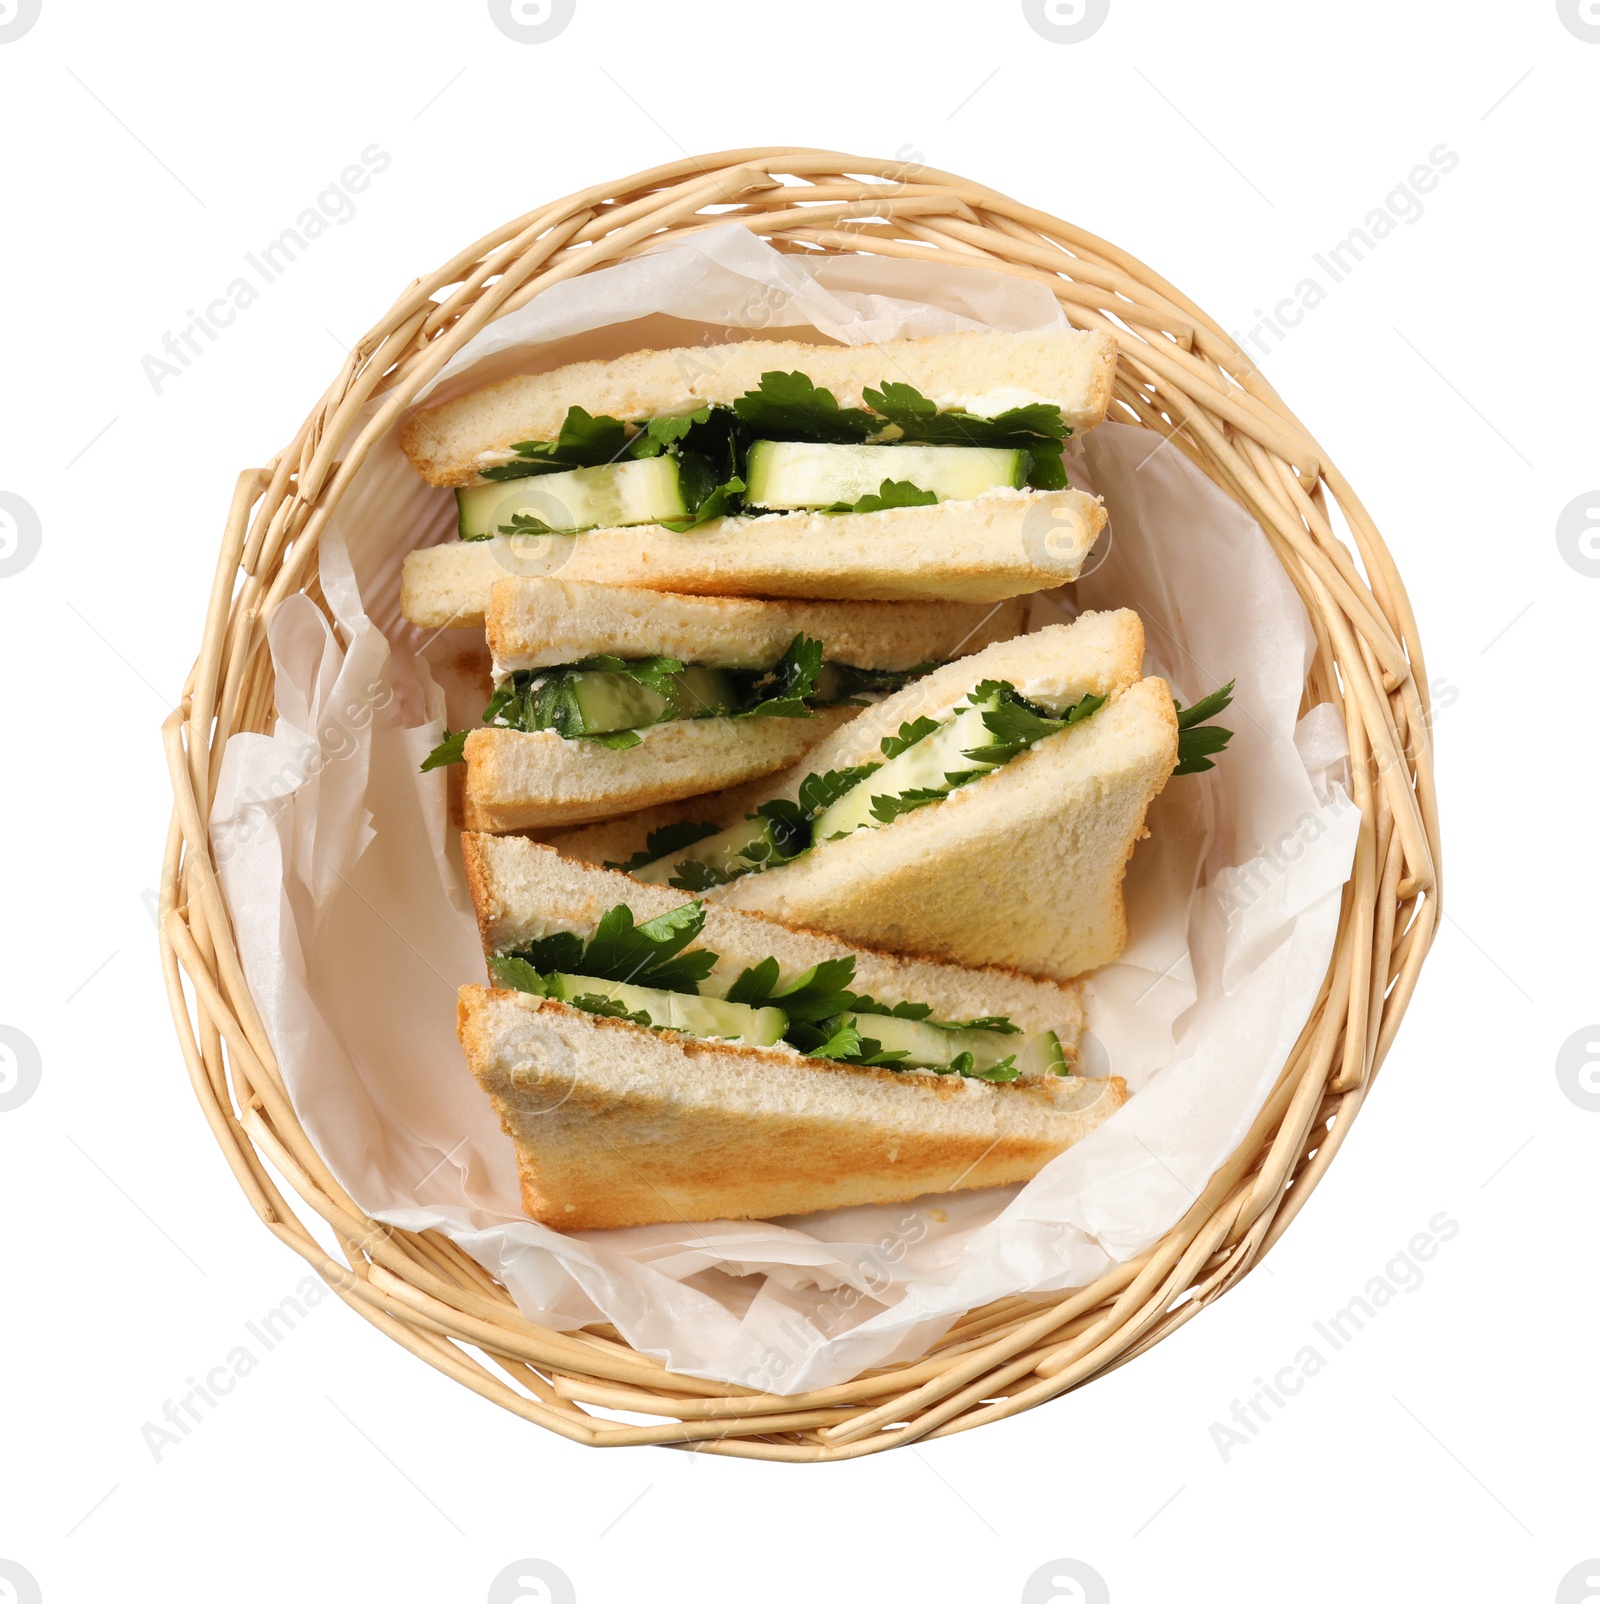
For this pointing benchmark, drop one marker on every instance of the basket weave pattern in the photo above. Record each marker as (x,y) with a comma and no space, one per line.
(1179,375)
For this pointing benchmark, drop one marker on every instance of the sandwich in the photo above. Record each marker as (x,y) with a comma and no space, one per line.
(610,699)
(655,1059)
(984,814)
(912,469)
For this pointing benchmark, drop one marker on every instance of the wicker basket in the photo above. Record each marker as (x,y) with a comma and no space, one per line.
(1179,374)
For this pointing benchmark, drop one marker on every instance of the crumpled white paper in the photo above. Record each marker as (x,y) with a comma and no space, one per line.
(354,929)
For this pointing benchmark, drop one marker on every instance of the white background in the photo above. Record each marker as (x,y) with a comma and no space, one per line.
(1445,1451)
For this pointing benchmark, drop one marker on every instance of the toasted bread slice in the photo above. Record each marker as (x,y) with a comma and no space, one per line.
(618,1125)
(539,623)
(980,372)
(1023,867)
(1005,543)
(539,780)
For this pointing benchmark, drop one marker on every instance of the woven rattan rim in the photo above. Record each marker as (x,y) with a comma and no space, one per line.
(1179,374)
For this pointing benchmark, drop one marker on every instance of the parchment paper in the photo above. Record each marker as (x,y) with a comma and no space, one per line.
(342,877)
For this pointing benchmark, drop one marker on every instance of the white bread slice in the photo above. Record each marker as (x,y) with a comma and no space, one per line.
(539,623)
(537,780)
(1023,867)
(618,1125)
(1004,543)
(982,372)
(524,891)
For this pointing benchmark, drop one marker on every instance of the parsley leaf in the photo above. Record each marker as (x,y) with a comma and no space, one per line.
(1197,747)
(838,1039)
(900,1010)
(452,749)
(526,468)
(917,418)
(886,809)
(788,406)
(1198,742)
(703,494)
(873,1057)
(1005,1070)
(818,791)
(816,995)
(610,1008)
(1046,470)
(547,955)
(670,838)
(723,502)
(517,974)
(901,404)
(819,993)
(755,984)
(918,730)
(891,493)
(505,693)
(784,688)
(584,442)
(524,523)
(839,684)
(660,433)
(995,1022)
(651,954)
(1016,723)
(1206,708)
(788,826)
(693,875)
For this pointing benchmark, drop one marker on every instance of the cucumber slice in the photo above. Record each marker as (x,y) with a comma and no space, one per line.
(923,767)
(607,702)
(742,848)
(701,692)
(609,497)
(832,684)
(597,701)
(708,1017)
(928,1047)
(1042,1055)
(793,473)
